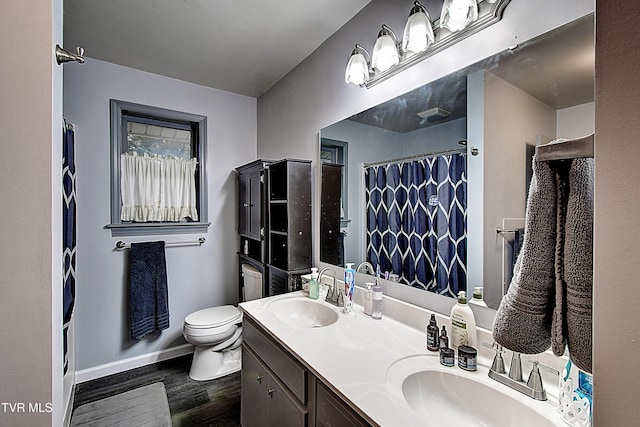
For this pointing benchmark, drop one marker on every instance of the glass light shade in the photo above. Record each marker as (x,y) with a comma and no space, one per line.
(357,69)
(457,14)
(418,33)
(385,53)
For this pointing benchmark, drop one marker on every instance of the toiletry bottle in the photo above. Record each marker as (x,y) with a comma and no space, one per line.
(443,340)
(446,353)
(368,299)
(349,287)
(376,312)
(433,340)
(463,323)
(478,298)
(314,286)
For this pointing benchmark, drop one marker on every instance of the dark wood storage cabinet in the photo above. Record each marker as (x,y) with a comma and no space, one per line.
(252,218)
(278,390)
(274,222)
(330,207)
(289,230)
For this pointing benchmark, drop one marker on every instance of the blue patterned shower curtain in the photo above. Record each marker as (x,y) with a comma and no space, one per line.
(416,221)
(68,231)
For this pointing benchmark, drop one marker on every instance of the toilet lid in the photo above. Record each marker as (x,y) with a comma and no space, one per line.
(214,316)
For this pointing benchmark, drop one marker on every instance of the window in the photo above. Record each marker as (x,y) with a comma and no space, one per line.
(163,143)
(332,151)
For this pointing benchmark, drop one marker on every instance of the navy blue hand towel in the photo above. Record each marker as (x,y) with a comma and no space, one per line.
(148,293)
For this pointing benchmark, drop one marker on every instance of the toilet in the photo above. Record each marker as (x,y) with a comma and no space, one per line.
(216,333)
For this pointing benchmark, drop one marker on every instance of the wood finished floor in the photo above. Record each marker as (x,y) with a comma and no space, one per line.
(192,403)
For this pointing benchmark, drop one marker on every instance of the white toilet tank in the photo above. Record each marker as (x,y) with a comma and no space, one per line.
(252,282)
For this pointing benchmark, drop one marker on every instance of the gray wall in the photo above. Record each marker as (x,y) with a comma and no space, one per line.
(198,277)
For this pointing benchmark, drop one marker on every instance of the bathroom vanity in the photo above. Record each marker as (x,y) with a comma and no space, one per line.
(305,363)
(278,389)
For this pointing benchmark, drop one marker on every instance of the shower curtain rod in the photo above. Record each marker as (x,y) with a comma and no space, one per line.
(122,245)
(415,157)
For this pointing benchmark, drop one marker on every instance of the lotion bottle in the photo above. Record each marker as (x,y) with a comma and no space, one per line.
(463,323)
(478,297)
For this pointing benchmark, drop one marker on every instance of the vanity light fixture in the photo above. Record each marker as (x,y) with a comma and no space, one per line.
(421,39)
(385,52)
(418,33)
(457,14)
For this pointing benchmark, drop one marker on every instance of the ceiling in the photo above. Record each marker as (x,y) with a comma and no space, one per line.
(239,46)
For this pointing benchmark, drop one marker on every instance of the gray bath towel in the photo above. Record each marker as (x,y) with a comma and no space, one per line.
(523,320)
(578,263)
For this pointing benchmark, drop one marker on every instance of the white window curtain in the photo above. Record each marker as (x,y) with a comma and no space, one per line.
(157,188)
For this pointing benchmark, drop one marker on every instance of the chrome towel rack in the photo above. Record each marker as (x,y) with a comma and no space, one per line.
(120,245)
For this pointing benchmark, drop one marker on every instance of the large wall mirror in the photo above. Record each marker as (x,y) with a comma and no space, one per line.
(449,164)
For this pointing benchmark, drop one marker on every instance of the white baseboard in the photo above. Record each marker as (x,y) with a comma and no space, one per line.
(131,363)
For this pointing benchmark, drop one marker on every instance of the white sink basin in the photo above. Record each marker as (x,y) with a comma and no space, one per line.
(441,395)
(302,312)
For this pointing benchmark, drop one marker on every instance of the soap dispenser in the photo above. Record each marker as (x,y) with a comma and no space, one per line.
(463,323)
(314,286)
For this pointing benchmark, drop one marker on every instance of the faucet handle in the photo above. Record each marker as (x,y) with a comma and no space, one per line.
(535,380)
(498,362)
(515,369)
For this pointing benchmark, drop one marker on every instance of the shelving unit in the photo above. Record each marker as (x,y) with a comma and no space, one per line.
(274,221)
(289,224)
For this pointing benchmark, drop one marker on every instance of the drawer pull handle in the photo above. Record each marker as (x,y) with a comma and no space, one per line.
(259,379)
(270,392)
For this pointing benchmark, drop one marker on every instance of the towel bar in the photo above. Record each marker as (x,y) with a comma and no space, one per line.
(120,245)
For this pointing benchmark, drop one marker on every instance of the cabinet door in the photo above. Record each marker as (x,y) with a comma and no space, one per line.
(282,407)
(250,199)
(253,389)
(331,412)
(244,201)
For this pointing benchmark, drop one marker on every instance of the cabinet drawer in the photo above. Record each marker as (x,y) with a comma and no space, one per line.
(290,372)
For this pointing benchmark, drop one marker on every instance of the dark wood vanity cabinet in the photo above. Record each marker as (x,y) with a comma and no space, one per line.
(278,390)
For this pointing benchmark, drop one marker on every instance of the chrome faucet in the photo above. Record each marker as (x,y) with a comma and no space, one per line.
(368,268)
(533,388)
(332,296)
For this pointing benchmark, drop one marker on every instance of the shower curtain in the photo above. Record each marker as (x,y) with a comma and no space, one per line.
(416,221)
(68,232)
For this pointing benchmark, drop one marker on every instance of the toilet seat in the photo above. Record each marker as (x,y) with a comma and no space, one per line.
(213,317)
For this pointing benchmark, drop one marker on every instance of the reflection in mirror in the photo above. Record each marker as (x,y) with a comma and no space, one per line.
(502,107)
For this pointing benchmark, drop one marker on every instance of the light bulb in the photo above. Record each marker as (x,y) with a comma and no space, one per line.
(385,53)
(457,14)
(418,33)
(357,69)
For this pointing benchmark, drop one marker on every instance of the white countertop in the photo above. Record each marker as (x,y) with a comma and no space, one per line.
(354,354)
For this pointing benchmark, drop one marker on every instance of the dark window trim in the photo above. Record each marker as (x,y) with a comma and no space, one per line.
(118,228)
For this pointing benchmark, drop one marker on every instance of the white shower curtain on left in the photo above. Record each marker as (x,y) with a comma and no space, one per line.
(157,188)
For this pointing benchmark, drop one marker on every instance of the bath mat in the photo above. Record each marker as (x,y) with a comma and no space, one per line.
(145,406)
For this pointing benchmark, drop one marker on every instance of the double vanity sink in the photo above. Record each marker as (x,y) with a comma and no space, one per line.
(382,370)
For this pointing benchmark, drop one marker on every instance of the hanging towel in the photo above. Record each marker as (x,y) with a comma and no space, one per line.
(148,294)
(523,320)
(575,312)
